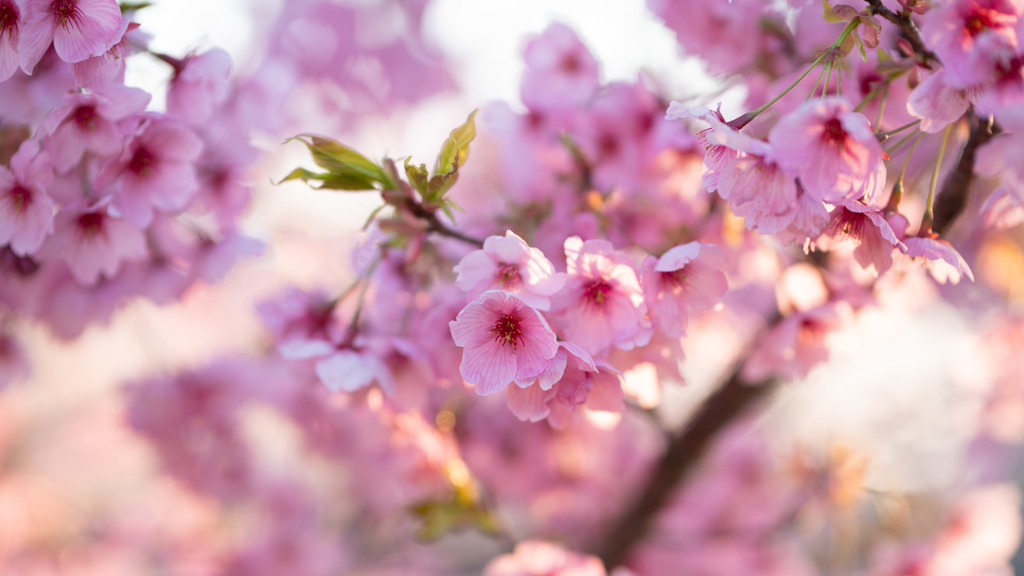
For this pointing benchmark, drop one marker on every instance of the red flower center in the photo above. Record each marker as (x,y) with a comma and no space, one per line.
(570,64)
(507,330)
(833,133)
(66,13)
(142,162)
(85,117)
(8,19)
(979,21)
(507,276)
(21,198)
(597,293)
(675,278)
(90,224)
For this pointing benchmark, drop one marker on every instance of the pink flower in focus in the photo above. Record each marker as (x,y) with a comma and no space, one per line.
(98,72)
(78,29)
(199,86)
(970,36)
(155,170)
(869,229)
(832,149)
(573,380)
(941,259)
(10,23)
(686,277)
(602,303)
(560,71)
(793,346)
(538,558)
(88,123)
(26,211)
(504,340)
(93,242)
(508,263)
(716,154)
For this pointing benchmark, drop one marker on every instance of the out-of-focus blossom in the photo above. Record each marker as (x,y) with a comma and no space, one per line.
(687,277)
(26,211)
(93,242)
(560,71)
(539,558)
(199,86)
(939,256)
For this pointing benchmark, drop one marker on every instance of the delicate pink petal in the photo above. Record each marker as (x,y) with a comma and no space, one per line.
(528,403)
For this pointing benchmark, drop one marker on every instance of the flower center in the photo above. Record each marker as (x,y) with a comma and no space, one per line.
(508,331)
(597,293)
(142,162)
(8,19)
(507,276)
(979,21)
(90,224)
(675,278)
(66,13)
(21,198)
(85,117)
(570,64)
(833,133)
(850,224)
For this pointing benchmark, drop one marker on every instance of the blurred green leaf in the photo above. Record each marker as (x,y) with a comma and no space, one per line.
(417,176)
(342,161)
(455,149)
(131,6)
(330,181)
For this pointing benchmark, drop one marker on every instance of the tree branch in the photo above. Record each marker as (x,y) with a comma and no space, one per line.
(955,190)
(909,28)
(682,453)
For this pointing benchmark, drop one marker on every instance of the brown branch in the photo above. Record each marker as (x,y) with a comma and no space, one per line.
(909,28)
(682,453)
(952,199)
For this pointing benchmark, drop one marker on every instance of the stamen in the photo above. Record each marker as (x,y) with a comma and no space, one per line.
(507,276)
(507,330)
(597,292)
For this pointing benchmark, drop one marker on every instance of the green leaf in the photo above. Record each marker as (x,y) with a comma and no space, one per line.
(341,160)
(455,149)
(417,176)
(132,6)
(329,181)
(437,186)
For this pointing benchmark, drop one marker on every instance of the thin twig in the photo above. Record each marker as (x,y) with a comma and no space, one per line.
(953,197)
(909,28)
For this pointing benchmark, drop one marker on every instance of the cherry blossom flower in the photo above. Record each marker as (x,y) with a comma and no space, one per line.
(88,123)
(302,323)
(560,71)
(602,302)
(155,170)
(10,25)
(869,229)
(794,346)
(686,277)
(942,260)
(538,558)
(832,149)
(716,154)
(26,211)
(349,370)
(199,86)
(936,103)
(94,242)
(574,379)
(78,29)
(508,263)
(969,36)
(504,340)
(98,72)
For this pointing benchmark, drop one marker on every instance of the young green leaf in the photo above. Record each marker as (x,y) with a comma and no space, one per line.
(341,160)
(455,150)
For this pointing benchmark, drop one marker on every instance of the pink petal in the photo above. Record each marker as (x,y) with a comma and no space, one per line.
(528,403)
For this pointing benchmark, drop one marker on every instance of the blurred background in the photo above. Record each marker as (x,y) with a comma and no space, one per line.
(909,414)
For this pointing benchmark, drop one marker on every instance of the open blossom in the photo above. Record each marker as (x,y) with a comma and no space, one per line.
(200,84)
(574,380)
(78,29)
(10,23)
(686,277)
(303,324)
(504,340)
(942,260)
(88,123)
(155,170)
(602,303)
(93,242)
(971,36)
(794,346)
(832,149)
(716,153)
(98,72)
(560,71)
(538,558)
(936,103)
(867,227)
(26,211)
(508,263)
